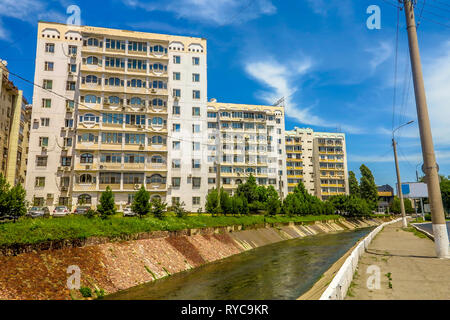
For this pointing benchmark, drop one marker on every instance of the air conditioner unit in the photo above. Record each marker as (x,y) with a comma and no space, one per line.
(73,55)
(49,195)
(137,186)
(60,168)
(44,149)
(88,167)
(66,168)
(141,146)
(65,148)
(153,90)
(70,73)
(123,107)
(63,128)
(63,188)
(102,167)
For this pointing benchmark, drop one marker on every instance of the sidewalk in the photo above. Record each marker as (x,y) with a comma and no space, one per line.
(414,271)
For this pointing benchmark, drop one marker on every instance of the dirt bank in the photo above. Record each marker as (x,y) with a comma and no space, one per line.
(114,266)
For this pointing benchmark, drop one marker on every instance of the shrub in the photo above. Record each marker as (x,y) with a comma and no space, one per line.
(212,202)
(178,208)
(86,292)
(158,207)
(141,202)
(90,213)
(106,207)
(428,217)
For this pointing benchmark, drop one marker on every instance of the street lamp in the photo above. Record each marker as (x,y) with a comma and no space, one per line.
(397,169)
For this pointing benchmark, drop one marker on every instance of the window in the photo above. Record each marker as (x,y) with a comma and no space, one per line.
(137,46)
(68,123)
(196,163)
(50,47)
(87,137)
(196,182)
(70,104)
(134,158)
(195,94)
(195,77)
(84,199)
(111,138)
(176,59)
(115,62)
(131,138)
(48,66)
(176,110)
(91,60)
(111,158)
(43,141)
(41,161)
(46,103)
(48,84)
(39,182)
(158,122)
(67,142)
(158,140)
(135,64)
(45,122)
(176,163)
(158,48)
(196,111)
(211,180)
(89,118)
(176,127)
(86,158)
(195,146)
(196,201)
(92,99)
(115,44)
(72,67)
(176,76)
(66,161)
(177,93)
(157,159)
(156,179)
(109,178)
(176,145)
(73,49)
(195,128)
(85,178)
(176,182)
(195,61)
(70,86)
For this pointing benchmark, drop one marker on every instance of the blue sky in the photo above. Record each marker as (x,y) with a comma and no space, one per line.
(336,73)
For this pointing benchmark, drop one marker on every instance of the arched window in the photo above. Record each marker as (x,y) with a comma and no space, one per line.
(157,178)
(157,121)
(156,196)
(157,140)
(136,101)
(114,100)
(136,83)
(91,99)
(91,79)
(89,117)
(84,199)
(158,102)
(157,159)
(86,158)
(85,178)
(92,60)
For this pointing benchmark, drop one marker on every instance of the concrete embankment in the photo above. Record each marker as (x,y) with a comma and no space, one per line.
(114,266)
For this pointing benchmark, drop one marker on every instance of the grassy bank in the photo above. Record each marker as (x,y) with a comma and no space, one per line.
(28,231)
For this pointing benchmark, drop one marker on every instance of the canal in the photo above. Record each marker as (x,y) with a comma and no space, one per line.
(283,270)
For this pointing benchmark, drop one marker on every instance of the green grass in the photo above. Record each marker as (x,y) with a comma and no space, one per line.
(29,231)
(415,232)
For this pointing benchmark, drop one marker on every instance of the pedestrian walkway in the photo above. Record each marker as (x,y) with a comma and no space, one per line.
(408,268)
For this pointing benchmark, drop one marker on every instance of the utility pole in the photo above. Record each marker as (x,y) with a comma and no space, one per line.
(399,185)
(429,159)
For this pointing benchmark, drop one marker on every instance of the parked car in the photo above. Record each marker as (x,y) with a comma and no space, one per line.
(60,211)
(36,212)
(127,212)
(81,209)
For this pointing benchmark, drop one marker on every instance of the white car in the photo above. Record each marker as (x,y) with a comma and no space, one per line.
(60,211)
(127,212)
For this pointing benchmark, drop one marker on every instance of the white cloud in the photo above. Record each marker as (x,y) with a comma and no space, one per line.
(380,54)
(282,79)
(442,157)
(318,7)
(217,12)
(28,11)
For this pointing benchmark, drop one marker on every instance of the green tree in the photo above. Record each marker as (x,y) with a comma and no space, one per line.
(16,201)
(178,208)
(158,207)
(445,192)
(368,188)
(225,202)
(273,203)
(212,202)
(107,206)
(394,207)
(249,189)
(4,191)
(141,202)
(353,184)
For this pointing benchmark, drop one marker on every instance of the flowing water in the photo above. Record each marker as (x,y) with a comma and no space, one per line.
(283,270)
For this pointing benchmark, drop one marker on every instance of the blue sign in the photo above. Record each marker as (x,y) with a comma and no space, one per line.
(405,189)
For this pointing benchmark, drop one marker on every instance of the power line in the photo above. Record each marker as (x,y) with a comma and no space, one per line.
(436,22)
(395,68)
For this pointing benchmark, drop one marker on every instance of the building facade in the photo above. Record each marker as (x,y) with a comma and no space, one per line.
(243,140)
(319,160)
(14,129)
(109,104)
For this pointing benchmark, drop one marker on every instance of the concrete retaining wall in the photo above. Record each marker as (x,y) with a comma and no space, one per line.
(337,290)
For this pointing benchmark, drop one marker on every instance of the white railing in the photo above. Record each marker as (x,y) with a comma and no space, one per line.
(337,290)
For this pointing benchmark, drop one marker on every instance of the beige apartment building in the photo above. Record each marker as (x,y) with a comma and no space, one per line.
(319,159)
(243,140)
(118,108)
(14,129)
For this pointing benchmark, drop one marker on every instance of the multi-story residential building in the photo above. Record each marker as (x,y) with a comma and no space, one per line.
(14,129)
(319,159)
(243,140)
(117,108)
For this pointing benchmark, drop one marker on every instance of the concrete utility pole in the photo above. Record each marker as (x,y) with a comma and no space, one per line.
(429,159)
(399,185)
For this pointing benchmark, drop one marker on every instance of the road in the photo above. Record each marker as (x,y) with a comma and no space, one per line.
(428,227)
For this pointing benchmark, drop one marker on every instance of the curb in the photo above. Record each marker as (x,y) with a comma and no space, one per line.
(338,287)
(429,235)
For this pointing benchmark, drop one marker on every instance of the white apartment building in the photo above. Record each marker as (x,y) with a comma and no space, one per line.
(125,109)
